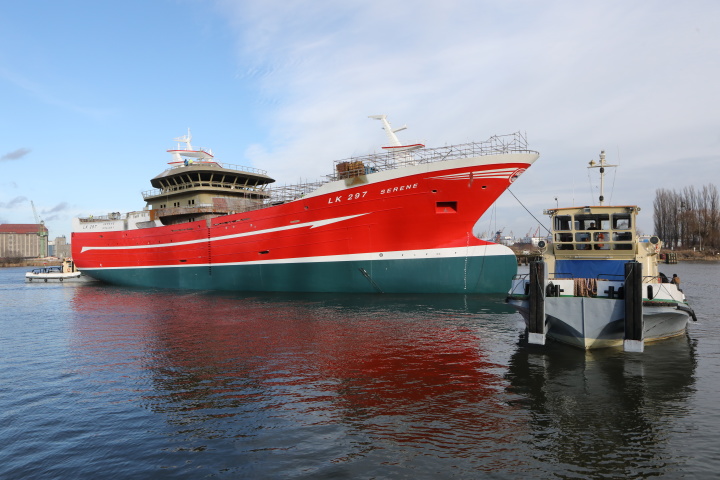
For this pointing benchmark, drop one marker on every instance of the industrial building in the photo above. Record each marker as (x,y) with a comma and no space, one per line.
(59,248)
(23,240)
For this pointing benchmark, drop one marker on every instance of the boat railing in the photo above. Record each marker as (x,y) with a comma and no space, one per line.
(497,144)
(101,218)
(258,190)
(288,193)
(363,165)
(570,276)
(601,276)
(197,209)
(367,164)
(228,166)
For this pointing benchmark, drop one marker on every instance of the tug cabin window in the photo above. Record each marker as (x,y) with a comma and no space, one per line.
(593,231)
(622,231)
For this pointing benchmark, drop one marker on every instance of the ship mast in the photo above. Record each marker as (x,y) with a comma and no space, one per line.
(392,138)
(601,166)
(401,153)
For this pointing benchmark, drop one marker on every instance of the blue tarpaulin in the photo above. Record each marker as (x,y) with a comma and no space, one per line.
(590,269)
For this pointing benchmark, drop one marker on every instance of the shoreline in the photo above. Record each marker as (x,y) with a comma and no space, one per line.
(694,256)
(32,263)
(681,255)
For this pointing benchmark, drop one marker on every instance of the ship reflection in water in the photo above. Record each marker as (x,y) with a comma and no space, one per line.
(321,385)
(605,411)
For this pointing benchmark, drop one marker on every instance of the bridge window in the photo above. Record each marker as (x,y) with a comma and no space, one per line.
(596,221)
(563,222)
(621,221)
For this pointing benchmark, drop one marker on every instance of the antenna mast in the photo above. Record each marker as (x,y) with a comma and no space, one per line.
(601,166)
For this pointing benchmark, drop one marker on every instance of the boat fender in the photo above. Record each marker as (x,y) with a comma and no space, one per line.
(687,309)
(649,292)
(61,279)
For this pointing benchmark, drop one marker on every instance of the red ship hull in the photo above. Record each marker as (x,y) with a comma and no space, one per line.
(406,230)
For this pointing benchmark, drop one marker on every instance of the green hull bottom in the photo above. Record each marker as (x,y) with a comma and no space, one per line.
(490,274)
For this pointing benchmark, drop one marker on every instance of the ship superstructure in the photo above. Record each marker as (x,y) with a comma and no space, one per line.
(196,187)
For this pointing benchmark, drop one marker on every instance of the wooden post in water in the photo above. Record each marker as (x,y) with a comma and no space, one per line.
(536,321)
(633,340)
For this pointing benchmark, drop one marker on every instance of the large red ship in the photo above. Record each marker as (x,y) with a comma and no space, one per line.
(400,221)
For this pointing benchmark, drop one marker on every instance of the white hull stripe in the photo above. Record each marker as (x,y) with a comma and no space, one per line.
(315,224)
(497,173)
(435,253)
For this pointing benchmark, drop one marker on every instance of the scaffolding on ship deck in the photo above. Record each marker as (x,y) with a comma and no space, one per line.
(287,193)
(390,160)
(377,162)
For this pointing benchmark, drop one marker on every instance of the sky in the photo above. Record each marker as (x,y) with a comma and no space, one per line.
(92,93)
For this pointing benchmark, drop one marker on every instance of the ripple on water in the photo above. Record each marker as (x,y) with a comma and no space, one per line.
(126,383)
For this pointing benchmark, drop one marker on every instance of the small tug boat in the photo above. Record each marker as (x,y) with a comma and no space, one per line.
(67,272)
(597,283)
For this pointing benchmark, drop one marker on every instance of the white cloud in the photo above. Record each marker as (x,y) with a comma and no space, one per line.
(633,78)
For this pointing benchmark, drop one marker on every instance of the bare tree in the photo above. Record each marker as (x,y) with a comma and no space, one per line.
(688,219)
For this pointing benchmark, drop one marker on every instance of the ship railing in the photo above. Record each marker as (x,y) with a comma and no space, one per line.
(364,165)
(260,189)
(287,193)
(101,218)
(229,166)
(497,144)
(199,208)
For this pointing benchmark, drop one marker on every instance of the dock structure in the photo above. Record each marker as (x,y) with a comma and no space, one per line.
(669,257)
(527,258)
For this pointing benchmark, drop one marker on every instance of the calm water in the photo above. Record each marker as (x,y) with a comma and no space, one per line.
(106,382)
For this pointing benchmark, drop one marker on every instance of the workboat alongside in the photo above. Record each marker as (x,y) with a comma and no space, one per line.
(598,283)
(66,272)
(398,221)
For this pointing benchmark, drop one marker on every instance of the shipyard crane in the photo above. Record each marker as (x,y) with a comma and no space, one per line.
(41,232)
(498,235)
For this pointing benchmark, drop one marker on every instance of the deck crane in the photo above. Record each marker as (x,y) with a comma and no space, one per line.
(42,234)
